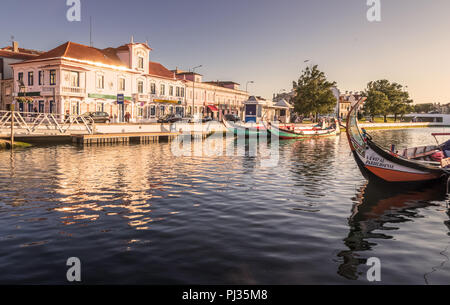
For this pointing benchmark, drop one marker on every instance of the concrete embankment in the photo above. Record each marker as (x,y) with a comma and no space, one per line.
(386,126)
(372,126)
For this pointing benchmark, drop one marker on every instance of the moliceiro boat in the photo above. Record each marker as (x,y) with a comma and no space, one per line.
(410,166)
(245,129)
(305,132)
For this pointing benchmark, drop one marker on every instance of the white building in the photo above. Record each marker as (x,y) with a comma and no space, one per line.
(74,79)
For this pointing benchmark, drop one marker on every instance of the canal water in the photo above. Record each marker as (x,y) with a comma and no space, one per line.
(138,214)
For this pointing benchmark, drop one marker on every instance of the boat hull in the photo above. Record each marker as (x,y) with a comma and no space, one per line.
(247,131)
(380,166)
(303,134)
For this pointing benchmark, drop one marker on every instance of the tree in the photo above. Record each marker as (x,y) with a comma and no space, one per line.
(314,94)
(377,103)
(397,97)
(423,108)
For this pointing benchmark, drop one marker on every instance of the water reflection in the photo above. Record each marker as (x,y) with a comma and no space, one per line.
(381,209)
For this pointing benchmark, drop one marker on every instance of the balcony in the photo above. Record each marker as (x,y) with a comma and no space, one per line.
(48,91)
(74,91)
(70,91)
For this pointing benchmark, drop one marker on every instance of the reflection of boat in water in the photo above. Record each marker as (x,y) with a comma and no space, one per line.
(374,208)
(411,166)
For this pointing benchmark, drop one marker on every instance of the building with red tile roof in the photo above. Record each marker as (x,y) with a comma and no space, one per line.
(76,78)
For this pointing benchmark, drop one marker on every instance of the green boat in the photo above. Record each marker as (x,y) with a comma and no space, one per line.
(243,130)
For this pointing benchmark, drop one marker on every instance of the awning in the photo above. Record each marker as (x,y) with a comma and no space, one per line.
(213,108)
(165,101)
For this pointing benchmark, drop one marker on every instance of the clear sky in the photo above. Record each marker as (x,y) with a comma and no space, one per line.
(266,41)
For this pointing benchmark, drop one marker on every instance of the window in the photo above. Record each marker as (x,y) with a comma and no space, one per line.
(41,107)
(162,90)
(182,92)
(100,107)
(74,79)
(121,84)
(153,88)
(140,86)
(171,90)
(141,62)
(30,78)
(100,82)
(177,92)
(20,77)
(41,78)
(52,77)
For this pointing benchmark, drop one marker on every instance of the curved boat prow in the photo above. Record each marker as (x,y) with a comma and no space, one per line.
(380,165)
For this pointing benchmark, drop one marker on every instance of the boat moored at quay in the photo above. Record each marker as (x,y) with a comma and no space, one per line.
(408,167)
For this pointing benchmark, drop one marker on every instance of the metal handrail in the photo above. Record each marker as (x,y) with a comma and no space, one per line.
(32,121)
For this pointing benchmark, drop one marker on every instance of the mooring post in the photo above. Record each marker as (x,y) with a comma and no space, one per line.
(12,125)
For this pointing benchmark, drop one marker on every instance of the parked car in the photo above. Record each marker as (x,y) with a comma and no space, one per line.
(232,118)
(170,118)
(207,119)
(194,119)
(98,116)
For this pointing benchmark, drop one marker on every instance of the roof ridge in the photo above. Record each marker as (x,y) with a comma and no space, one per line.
(67,48)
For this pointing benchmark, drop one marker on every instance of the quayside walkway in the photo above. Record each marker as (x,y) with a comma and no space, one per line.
(49,128)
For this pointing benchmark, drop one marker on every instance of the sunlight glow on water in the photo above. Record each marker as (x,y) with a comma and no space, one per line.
(136,214)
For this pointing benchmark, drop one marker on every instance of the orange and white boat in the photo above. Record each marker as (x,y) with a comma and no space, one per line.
(410,166)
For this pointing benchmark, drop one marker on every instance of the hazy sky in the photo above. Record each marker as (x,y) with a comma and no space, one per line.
(265,41)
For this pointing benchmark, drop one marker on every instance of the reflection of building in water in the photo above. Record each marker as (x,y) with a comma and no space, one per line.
(374,208)
(108,181)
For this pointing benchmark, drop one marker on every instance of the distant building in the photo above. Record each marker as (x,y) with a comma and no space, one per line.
(346,102)
(259,109)
(212,98)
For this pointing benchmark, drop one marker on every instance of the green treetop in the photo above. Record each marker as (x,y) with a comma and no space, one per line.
(314,95)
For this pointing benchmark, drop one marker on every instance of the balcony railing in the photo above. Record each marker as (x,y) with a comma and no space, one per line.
(74,90)
(63,90)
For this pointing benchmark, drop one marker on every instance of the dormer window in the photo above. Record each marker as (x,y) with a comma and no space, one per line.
(141,62)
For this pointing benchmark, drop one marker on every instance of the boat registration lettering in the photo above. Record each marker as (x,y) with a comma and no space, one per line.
(378,162)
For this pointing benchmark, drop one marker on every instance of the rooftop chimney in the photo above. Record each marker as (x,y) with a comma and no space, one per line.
(15,46)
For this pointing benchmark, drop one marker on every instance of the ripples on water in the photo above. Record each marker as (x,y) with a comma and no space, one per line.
(137,214)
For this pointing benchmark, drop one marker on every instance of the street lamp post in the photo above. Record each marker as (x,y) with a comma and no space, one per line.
(246,85)
(22,89)
(193,89)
